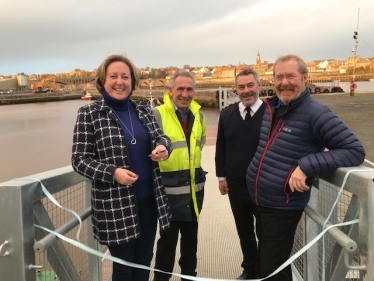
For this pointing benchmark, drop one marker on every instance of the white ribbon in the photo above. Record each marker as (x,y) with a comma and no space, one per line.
(331,211)
(50,197)
(123,262)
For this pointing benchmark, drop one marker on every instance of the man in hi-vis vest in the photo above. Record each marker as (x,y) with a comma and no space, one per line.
(182,121)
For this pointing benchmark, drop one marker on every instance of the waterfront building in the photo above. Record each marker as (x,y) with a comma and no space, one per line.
(241,67)
(15,82)
(364,68)
(228,71)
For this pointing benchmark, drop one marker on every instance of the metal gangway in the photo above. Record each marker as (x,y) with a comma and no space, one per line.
(28,253)
(226,97)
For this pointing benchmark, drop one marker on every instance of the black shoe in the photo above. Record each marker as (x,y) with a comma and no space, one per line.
(244,276)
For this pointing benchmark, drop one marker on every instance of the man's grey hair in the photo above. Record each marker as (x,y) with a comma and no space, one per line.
(183,73)
(247,72)
(302,67)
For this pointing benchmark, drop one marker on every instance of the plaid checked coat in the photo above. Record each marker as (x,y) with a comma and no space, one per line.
(99,148)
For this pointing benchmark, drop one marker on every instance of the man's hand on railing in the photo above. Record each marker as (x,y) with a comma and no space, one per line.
(297,181)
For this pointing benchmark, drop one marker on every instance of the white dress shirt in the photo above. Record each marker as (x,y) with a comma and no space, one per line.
(254,108)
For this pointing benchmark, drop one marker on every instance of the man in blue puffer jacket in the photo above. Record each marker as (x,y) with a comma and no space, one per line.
(295,131)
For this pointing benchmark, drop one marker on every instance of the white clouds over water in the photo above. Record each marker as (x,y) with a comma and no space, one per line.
(51,36)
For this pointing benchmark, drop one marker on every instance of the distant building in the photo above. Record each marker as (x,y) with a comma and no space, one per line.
(8,84)
(228,71)
(216,72)
(270,68)
(242,67)
(258,58)
(263,68)
(15,82)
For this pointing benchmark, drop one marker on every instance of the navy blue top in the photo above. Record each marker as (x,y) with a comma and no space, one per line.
(298,138)
(237,141)
(140,162)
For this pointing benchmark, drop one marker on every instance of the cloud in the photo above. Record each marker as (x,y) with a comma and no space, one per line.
(52,36)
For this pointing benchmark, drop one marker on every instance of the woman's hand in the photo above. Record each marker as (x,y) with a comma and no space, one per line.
(124,177)
(159,153)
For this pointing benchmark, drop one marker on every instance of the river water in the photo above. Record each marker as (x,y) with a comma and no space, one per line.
(37,137)
(362,86)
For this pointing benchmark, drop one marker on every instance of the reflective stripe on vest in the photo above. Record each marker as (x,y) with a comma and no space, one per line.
(183,189)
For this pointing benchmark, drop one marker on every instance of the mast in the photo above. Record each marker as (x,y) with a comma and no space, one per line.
(355,36)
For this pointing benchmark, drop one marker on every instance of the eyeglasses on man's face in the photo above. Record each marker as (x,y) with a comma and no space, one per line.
(288,77)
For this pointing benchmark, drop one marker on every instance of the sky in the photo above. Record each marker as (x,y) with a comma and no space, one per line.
(57,36)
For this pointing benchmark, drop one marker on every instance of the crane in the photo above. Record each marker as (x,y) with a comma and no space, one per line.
(39,88)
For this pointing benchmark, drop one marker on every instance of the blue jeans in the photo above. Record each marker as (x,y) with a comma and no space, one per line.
(138,251)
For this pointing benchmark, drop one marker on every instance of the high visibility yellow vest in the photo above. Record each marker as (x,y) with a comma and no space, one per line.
(182,159)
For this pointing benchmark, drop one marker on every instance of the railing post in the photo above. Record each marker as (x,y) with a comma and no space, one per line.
(312,263)
(17,227)
(361,184)
(222,98)
(94,262)
(366,229)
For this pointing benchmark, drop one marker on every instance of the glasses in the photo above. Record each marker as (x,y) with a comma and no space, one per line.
(182,89)
(289,77)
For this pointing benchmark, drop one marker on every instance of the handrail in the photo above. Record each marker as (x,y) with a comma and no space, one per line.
(44,243)
(6,253)
(343,239)
(368,163)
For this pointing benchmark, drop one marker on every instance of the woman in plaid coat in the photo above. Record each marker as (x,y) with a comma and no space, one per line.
(118,144)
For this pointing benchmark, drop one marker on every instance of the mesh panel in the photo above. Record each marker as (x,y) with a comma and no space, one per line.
(325,198)
(74,199)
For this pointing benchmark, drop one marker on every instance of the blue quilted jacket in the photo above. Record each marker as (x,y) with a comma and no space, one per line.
(298,138)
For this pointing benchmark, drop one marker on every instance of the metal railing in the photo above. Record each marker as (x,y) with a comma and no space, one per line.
(28,253)
(35,254)
(345,252)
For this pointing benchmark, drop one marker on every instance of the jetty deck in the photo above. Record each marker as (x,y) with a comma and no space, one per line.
(219,254)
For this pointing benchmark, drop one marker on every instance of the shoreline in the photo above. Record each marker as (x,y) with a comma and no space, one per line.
(205,97)
(20,98)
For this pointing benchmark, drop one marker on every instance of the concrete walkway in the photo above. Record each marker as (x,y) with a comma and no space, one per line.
(219,255)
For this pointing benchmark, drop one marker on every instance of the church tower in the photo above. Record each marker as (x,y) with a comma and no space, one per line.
(258,58)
